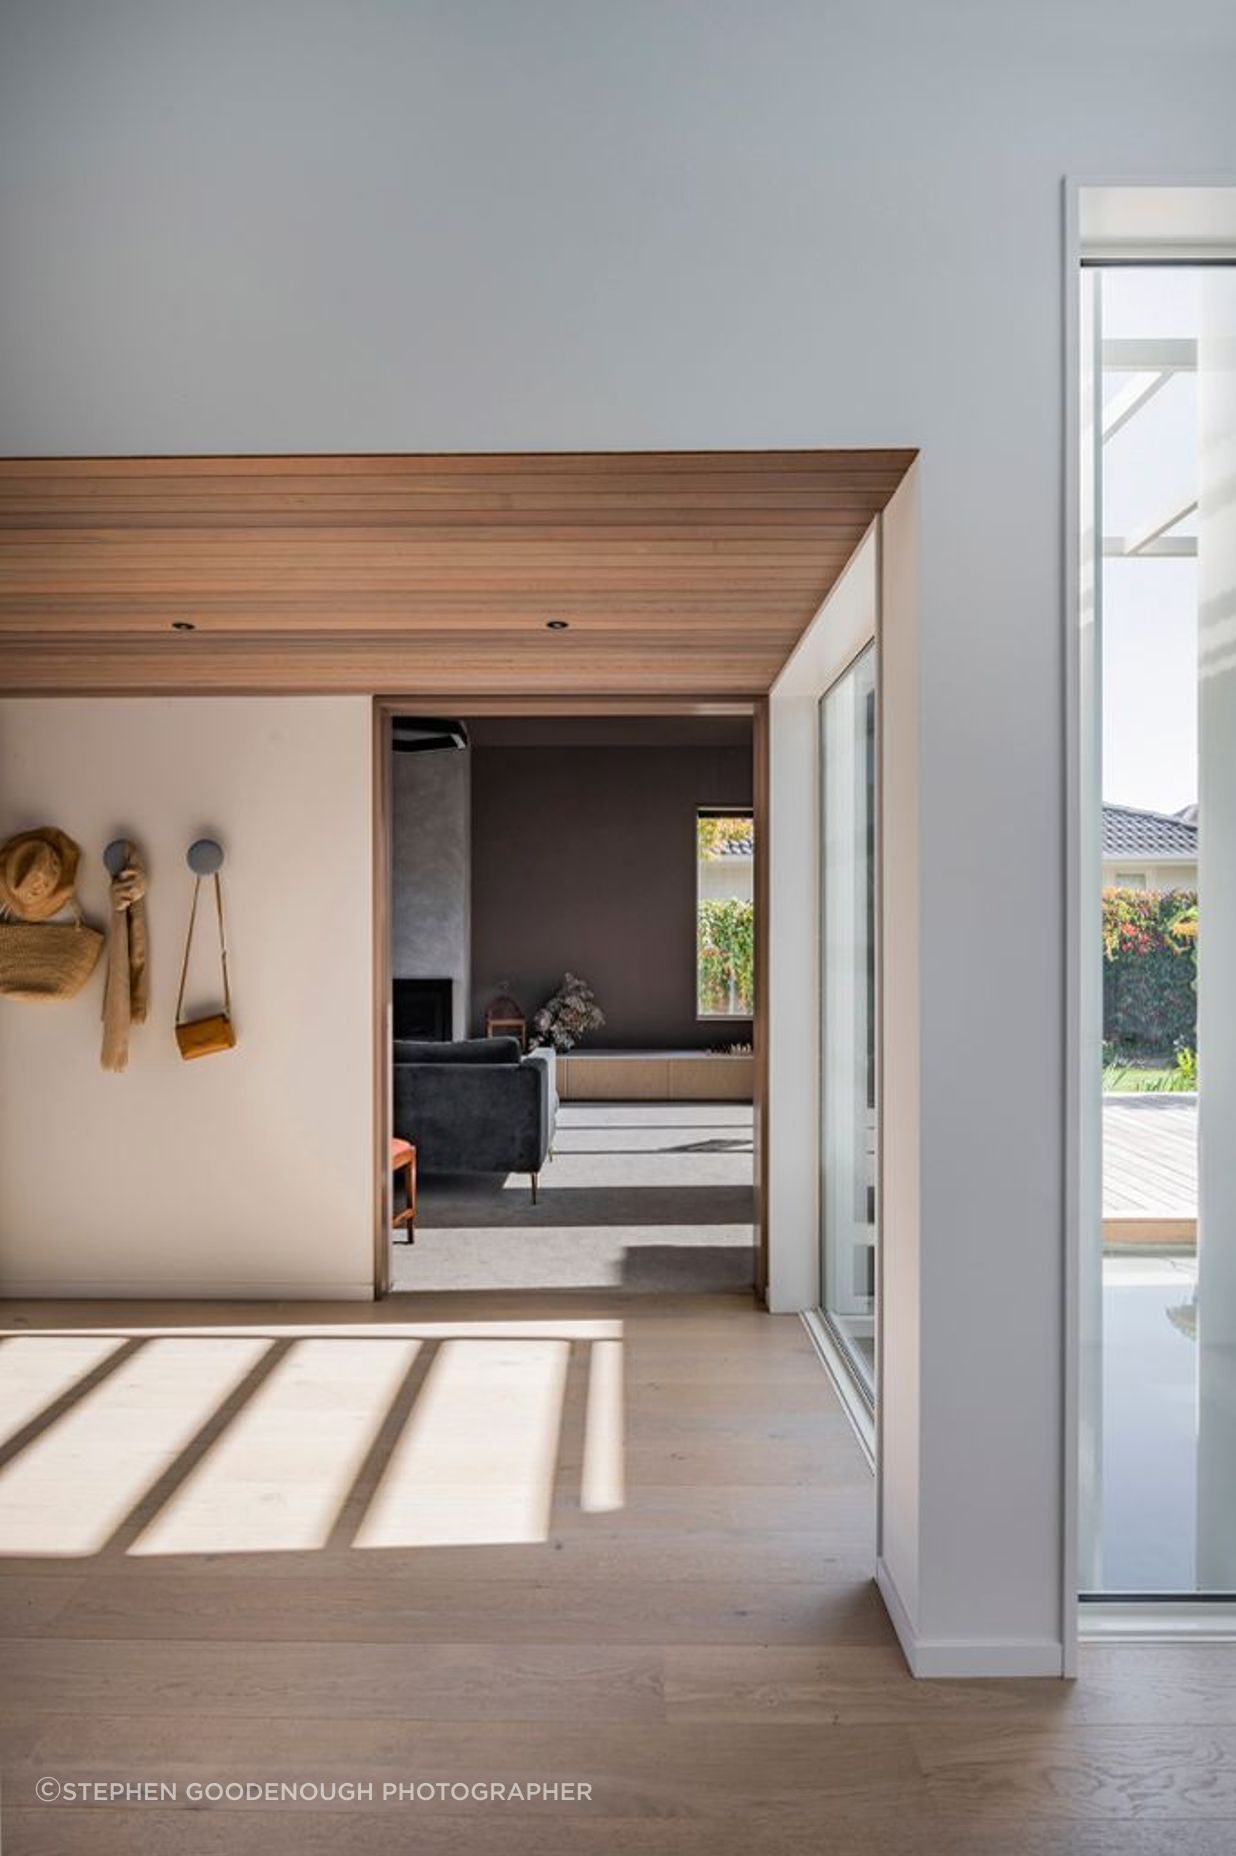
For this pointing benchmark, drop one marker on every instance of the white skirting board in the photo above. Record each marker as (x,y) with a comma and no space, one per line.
(959,1657)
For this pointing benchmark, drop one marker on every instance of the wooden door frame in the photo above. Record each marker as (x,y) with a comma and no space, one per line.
(462,703)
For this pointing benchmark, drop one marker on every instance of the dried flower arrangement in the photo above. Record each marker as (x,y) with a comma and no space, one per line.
(572,1012)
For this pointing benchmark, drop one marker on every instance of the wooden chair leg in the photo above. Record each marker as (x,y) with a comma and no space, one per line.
(534,1177)
(408,1216)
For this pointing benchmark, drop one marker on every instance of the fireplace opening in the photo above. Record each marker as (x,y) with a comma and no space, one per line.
(422,1009)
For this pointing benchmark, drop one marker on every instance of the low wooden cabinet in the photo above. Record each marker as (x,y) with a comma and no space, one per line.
(655,1076)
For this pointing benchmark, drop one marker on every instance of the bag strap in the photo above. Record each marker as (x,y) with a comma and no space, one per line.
(184,965)
(227,991)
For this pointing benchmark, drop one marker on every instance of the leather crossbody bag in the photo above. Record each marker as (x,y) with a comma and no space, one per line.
(202,1037)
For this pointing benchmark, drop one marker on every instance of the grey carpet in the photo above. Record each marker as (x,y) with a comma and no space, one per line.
(649,1197)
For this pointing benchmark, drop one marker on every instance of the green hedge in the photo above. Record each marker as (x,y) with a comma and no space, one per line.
(1150,969)
(726,946)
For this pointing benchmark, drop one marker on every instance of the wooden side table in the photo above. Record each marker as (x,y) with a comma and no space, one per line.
(403,1159)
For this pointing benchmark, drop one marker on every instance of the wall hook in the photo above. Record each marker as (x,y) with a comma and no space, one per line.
(205,857)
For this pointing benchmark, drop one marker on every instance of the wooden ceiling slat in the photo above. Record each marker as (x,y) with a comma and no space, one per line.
(425,664)
(379,572)
(413,609)
(557,587)
(596,548)
(757,484)
(505,514)
(523,467)
(590,565)
(699,625)
(802,497)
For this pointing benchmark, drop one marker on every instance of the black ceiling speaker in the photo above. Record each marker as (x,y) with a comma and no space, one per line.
(421,734)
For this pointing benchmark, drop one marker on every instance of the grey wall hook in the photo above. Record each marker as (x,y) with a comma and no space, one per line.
(205,857)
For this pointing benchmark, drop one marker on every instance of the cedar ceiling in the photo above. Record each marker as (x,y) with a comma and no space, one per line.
(678,572)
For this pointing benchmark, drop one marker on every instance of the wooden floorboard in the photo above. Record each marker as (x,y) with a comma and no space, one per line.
(704,1647)
(1149,1158)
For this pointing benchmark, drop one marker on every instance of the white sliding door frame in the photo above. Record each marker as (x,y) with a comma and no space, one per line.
(1183,221)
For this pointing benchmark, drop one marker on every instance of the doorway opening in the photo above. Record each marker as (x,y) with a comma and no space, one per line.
(569,996)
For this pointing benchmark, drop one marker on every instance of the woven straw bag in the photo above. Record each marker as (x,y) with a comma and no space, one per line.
(47,960)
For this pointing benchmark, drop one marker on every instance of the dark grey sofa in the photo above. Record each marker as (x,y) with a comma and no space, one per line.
(475,1106)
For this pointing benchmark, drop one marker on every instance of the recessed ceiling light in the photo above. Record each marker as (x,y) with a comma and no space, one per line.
(183,625)
(557,625)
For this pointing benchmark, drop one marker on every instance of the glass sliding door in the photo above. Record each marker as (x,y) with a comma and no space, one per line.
(1159,1286)
(848,1083)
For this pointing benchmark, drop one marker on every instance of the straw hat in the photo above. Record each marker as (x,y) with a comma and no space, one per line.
(38,870)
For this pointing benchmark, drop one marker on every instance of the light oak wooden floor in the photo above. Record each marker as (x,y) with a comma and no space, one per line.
(625,1541)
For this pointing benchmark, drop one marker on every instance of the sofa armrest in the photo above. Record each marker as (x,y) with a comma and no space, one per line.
(471,1117)
(546,1058)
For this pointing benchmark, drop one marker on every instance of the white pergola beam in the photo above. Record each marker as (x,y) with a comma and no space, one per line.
(1144,354)
(1166,548)
(1143,538)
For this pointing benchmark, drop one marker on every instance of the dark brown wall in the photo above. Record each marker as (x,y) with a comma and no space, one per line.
(583,860)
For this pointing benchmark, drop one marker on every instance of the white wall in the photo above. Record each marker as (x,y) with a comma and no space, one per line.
(1118,870)
(248,1173)
(724,879)
(310,225)
(900,1346)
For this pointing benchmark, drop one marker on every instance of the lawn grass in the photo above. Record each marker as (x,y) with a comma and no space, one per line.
(1132,1079)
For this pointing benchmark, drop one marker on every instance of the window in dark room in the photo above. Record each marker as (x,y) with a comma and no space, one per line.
(725,912)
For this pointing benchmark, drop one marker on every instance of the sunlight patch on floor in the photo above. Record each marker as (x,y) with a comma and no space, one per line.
(278,1476)
(210,1441)
(73,1484)
(37,1369)
(475,1462)
(601,1482)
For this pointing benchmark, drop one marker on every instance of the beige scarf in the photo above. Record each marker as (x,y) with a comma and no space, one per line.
(127,996)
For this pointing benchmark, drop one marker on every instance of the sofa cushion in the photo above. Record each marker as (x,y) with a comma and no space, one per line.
(464,1050)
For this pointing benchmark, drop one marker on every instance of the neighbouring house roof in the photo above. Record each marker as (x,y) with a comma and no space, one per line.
(1130,832)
